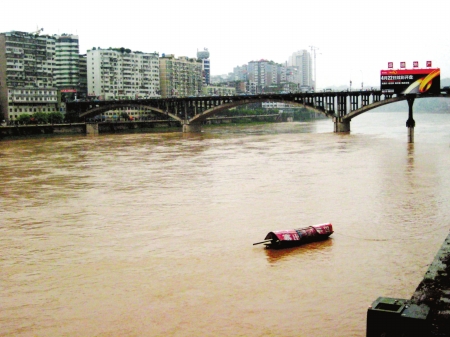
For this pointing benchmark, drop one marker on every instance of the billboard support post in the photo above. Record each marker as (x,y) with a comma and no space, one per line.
(410,83)
(410,123)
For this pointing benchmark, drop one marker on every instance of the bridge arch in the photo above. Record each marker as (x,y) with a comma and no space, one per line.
(202,116)
(375,105)
(104,108)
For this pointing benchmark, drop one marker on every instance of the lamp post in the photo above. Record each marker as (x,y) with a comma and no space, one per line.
(362,80)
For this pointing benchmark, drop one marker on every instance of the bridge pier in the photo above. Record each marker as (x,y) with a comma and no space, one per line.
(410,123)
(341,125)
(192,128)
(92,129)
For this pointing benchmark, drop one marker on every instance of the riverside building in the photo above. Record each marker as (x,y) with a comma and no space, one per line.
(122,74)
(180,77)
(82,77)
(203,56)
(210,90)
(67,68)
(262,74)
(300,64)
(27,85)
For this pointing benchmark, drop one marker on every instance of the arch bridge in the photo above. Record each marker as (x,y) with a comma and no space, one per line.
(191,112)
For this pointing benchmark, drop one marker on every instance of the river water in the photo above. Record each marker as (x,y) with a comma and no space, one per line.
(151,234)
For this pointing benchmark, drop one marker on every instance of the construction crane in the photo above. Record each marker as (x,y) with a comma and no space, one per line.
(313,49)
(38,31)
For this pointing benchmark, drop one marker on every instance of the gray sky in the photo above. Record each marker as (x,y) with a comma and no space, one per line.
(355,39)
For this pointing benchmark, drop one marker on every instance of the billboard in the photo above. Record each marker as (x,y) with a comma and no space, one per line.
(411,81)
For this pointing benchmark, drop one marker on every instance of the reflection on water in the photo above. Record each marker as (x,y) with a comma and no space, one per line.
(310,251)
(151,234)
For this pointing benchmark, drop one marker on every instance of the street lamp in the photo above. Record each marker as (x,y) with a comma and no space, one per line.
(362,80)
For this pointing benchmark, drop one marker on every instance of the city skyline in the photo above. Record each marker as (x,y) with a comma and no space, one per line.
(352,43)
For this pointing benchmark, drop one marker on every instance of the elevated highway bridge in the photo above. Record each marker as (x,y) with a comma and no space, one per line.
(192,112)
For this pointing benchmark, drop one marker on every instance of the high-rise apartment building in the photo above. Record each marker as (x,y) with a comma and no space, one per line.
(82,77)
(240,73)
(122,73)
(181,76)
(301,63)
(206,66)
(281,74)
(292,74)
(27,61)
(256,76)
(263,74)
(66,71)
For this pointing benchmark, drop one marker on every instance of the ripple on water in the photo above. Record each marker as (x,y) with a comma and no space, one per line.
(113,235)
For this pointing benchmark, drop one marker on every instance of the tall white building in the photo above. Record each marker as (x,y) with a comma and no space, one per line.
(301,64)
(122,73)
(27,61)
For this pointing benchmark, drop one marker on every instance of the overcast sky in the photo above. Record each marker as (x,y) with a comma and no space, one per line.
(354,39)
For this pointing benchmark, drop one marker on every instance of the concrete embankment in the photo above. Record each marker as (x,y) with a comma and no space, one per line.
(434,292)
(30,130)
(80,128)
(426,314)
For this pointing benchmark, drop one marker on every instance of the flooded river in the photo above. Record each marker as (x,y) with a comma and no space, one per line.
(151,234)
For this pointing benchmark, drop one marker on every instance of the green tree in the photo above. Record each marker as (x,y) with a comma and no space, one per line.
(24,119)
(40,117)
(125,116)
(55,117)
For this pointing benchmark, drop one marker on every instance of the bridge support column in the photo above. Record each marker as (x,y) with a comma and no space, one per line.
(92,129)
(341,125)
(192,128)
(410,123)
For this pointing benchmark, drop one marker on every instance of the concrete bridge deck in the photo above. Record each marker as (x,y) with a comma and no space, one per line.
(191,112)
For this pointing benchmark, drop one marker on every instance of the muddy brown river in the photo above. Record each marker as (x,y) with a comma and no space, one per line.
(151,234)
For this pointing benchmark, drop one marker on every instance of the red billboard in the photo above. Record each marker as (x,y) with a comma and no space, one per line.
(411,81)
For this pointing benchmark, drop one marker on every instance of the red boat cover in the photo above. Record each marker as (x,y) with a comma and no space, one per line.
(297,234)
(324,229)
(287,235)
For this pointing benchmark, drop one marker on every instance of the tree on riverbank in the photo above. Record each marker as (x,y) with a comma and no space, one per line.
(300,114)
(41,118)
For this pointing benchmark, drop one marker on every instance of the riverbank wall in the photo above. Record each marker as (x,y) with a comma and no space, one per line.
(19,131)
(425,314)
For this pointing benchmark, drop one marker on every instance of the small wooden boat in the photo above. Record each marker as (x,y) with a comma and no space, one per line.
(296,237)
